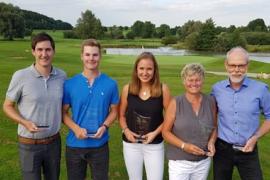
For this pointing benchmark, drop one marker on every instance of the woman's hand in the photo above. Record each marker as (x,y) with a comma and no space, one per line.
(211,149)
(192,149)
(131,136)
(149,137)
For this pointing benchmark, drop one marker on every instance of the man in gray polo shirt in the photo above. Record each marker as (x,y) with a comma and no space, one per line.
(37,93)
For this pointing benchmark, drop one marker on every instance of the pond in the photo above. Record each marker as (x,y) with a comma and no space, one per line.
(262,57)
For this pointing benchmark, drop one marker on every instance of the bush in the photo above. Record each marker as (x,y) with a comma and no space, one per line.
(226,41)
(191,41)
(70,34)
(257,38)
(169,40)
(130,35)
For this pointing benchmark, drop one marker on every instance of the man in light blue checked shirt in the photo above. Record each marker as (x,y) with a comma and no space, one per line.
(240,101)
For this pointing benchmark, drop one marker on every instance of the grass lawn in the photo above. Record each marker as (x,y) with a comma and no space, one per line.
(17,54)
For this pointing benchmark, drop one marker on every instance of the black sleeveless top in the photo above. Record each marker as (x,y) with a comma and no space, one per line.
(144,116)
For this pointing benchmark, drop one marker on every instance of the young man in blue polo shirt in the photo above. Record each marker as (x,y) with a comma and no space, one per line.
(240,101)
(93,99)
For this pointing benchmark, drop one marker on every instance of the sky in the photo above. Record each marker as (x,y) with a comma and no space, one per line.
(170,12)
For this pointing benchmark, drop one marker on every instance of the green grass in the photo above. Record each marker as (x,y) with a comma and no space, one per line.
(17,54)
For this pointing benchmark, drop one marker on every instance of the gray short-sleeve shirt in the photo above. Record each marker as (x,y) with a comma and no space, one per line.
(39,99)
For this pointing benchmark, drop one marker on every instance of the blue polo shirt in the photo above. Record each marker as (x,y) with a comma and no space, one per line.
(239,110)
(90,106)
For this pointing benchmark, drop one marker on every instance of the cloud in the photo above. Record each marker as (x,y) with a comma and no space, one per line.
(171,12)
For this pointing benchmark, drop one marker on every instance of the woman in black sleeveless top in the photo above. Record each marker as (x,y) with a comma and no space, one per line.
(141,119)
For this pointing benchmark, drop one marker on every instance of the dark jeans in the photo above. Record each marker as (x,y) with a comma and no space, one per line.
(226,158)
(78,158)
(34,157)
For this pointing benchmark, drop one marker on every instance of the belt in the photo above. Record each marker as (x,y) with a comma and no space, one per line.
(46,140)
(224,143)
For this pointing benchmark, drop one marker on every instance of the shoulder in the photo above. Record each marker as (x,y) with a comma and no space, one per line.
(60,72)
(165,87)
(125,88)
(178,98)
(258,84)
(209,99)
(220,84)
(73,79)
(108,79)
(21,73)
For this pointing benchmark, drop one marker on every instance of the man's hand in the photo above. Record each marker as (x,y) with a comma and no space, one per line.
(249,147)
(80,133)
(30,126)
(101,130)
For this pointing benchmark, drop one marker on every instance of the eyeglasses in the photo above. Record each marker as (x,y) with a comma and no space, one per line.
(239,66)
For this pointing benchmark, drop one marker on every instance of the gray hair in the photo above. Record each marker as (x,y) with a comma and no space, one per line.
(192,69)
(237,49)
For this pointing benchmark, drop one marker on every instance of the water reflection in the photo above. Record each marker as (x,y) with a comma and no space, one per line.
(262,57)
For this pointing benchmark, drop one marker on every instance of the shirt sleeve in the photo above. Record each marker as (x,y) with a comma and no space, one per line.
(14,91)
(265,105)
(66,96)
(115,94)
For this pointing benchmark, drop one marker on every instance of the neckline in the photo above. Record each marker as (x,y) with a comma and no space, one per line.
(189,103)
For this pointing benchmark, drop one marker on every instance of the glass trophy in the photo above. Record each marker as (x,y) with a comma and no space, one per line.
(201,135)
(141,125)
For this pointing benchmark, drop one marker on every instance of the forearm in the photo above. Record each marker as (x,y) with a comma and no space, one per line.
(265,128)
(213,136)
(111,117)
(172,139)
(69,122)
(13,114)
(123,122)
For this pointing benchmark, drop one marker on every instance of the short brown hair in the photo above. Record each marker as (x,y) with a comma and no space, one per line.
(42,37)
(91,42)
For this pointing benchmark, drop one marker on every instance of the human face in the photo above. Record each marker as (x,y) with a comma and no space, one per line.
(145,70)
(91,57)
(193,83)
(236,67)
(43,54)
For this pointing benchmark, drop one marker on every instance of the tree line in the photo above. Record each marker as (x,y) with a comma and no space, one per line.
(17,23)
(195,35)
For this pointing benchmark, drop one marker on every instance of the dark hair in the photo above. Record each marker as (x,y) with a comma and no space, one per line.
(91,42)
(42,37)
(135,84)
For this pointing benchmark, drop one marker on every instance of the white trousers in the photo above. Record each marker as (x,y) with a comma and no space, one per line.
(152,155)
(189,170)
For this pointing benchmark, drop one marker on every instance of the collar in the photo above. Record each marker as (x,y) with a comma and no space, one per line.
(37,74)
(245,82)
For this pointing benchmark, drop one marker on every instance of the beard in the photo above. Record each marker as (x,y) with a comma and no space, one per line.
(236,79)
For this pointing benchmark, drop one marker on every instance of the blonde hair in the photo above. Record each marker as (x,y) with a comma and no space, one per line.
(191,69)
(135,84)
(92,43)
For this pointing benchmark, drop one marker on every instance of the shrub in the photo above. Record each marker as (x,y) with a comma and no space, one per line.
(169,40)
(70,34)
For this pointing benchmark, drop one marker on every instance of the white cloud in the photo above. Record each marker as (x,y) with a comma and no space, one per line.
(172,12)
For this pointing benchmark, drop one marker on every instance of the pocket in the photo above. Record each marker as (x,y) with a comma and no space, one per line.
(26,157)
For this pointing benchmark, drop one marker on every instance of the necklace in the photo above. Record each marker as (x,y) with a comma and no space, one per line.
(144,93)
